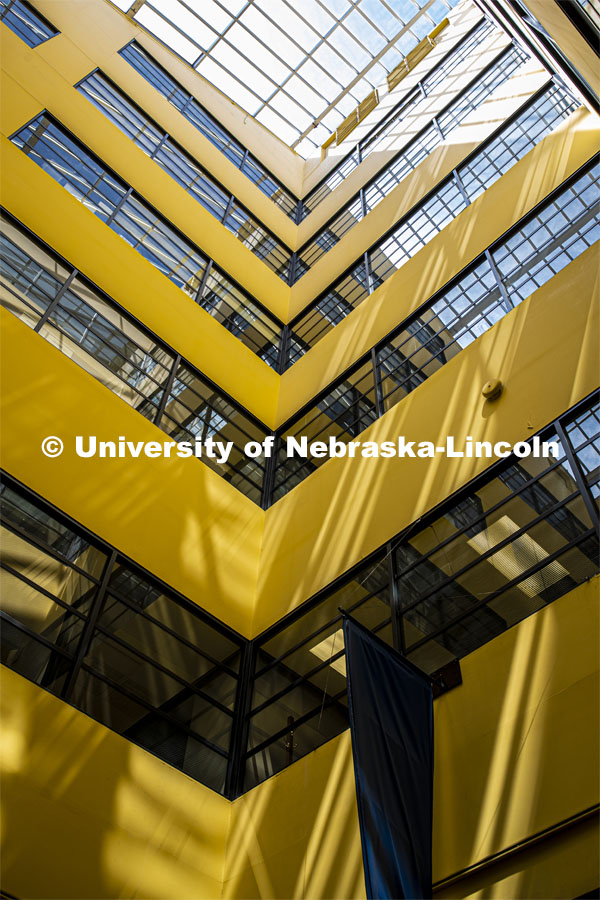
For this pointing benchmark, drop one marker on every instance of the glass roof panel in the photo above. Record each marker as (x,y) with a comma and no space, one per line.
(299,66)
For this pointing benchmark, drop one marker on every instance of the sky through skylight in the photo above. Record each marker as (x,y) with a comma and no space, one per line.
(298,66)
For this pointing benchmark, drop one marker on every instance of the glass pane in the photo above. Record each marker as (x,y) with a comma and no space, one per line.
(30,276)
(28,24)
(158,735)
(196,412)
(548,241)
(342,415)
(49,145)
(100,339)
(24,515)
(159,243)
(584,434)
(119,109)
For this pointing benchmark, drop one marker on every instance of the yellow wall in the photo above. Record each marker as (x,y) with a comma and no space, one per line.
(87,814)
(545,352)
(516,750)
(176,517)
(530,180)
(250,567)
(110,25)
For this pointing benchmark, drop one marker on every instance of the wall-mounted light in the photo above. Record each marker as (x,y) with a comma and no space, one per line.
(492,389)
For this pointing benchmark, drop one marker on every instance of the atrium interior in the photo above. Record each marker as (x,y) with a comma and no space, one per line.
(254,222)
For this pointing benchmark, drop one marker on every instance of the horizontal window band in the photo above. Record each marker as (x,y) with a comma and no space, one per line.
(141,60)
(378,566)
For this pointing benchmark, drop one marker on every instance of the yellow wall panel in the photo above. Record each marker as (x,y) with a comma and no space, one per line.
(175,517)
(546,166)
(296,835)
(562,865)
(545,352)
(73,18)
(87,814)
(16,103)
(120,154)
(45,207)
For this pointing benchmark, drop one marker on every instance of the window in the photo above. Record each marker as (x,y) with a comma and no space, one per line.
(100,633)
(329,236)
(65,309)
(196,411)
(189,107)
(561,231)
(181,167)
(299,696)
(471,99)
(462,580)
(299,70)
(499,154)
(104,194)
(417,229)
(51,574)
(26,22)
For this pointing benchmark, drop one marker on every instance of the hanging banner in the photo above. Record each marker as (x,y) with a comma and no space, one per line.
(390,708)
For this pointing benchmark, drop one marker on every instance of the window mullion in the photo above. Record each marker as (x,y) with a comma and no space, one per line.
(167,391)
(86,635)
(578,474)
(62,291)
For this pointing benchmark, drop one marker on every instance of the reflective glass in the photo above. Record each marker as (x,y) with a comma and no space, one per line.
(159,78)
(26,22)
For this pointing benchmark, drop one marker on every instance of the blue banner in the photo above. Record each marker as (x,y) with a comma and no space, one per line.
(391,721)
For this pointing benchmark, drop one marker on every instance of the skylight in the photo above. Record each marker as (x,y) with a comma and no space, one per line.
(298,66)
